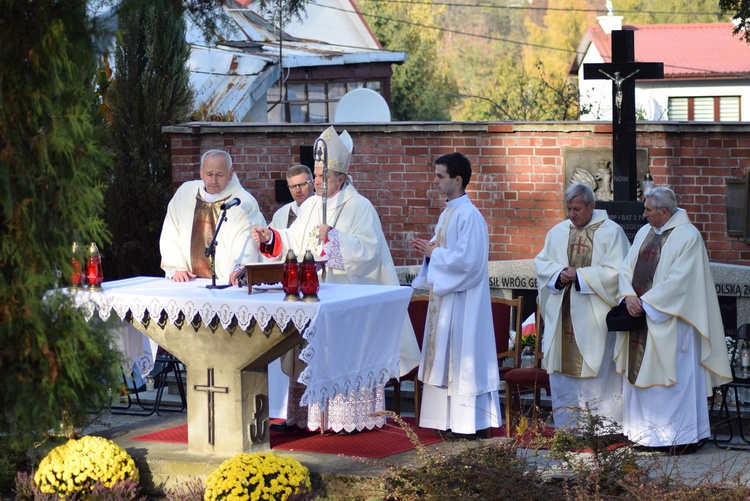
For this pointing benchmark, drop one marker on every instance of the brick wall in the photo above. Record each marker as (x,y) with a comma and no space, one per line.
(518,172)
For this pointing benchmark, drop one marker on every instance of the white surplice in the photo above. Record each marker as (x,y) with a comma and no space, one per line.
(599,387)
(459,366)
(366,260)
(234,246)
(686,354)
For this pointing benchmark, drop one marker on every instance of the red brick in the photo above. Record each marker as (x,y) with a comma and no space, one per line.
(518,179)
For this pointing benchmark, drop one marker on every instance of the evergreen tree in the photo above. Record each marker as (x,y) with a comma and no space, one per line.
(52,167)
(150,90)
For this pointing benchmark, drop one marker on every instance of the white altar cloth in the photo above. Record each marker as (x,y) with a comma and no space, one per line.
(353,333)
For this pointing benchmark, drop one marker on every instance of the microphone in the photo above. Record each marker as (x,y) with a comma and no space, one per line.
(230,204)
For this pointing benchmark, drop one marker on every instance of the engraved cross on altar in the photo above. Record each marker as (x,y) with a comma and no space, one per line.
(211,389)
(623,71)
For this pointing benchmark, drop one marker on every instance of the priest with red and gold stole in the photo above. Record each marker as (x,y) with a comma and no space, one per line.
(577,280)
(674,361)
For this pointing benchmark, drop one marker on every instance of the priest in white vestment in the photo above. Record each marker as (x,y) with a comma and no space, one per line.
(674,361)
(355,251)
(193,215)
(577,280)
(284,372)
(459,366)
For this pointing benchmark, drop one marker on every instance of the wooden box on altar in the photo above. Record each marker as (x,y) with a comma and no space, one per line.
(263,274)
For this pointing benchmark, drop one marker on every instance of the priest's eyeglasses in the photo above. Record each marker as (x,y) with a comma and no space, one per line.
(293,187)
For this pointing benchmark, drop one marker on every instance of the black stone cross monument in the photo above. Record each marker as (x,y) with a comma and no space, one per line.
(623,71)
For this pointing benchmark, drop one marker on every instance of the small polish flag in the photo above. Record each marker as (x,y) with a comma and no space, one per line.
(529,325)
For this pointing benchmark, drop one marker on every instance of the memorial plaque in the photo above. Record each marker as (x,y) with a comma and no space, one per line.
(629,215)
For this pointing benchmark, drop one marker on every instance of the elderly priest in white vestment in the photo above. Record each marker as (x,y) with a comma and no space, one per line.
(577,279)
(674,361)
(459,359)
(192,217)
(356,251)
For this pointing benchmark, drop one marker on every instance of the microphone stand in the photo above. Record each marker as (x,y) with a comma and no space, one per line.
(211,253)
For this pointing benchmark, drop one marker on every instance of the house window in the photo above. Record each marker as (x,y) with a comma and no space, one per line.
(312,102)
(705,109)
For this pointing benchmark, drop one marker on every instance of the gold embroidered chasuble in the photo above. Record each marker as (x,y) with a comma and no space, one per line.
(580,253)
(643,279)
(204,225)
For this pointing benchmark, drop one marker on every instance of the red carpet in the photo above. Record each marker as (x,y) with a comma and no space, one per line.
(377,443)
(174,435)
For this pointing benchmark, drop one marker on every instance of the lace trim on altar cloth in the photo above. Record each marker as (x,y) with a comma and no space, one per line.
(356,412)
(319,391)
(244,314)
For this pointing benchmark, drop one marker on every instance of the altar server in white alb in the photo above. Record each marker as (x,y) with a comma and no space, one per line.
(674,361)
(193,215)
(577,280)
(353,243)
(459,362)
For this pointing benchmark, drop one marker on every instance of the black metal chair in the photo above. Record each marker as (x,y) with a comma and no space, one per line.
(164,365)
(741,381)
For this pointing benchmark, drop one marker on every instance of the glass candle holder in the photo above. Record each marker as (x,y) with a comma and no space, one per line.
(76,276)
(310,283)
(94,273)
(291,281)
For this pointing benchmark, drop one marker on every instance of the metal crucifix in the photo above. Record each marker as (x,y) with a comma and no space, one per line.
(624,166)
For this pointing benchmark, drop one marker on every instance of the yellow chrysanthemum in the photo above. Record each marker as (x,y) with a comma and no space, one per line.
(78,465)
(257,476)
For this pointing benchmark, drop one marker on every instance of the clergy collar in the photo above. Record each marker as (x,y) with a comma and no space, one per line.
(225,193)
(208,197)
(456,200)
(596,216)
(679,217)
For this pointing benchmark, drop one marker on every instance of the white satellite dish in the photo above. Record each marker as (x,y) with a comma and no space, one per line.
(362,105)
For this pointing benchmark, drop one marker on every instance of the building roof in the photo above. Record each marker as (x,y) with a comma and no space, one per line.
(235,73)
(337,22)
(688,51)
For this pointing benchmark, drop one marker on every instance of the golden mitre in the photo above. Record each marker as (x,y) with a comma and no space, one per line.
(340,149)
